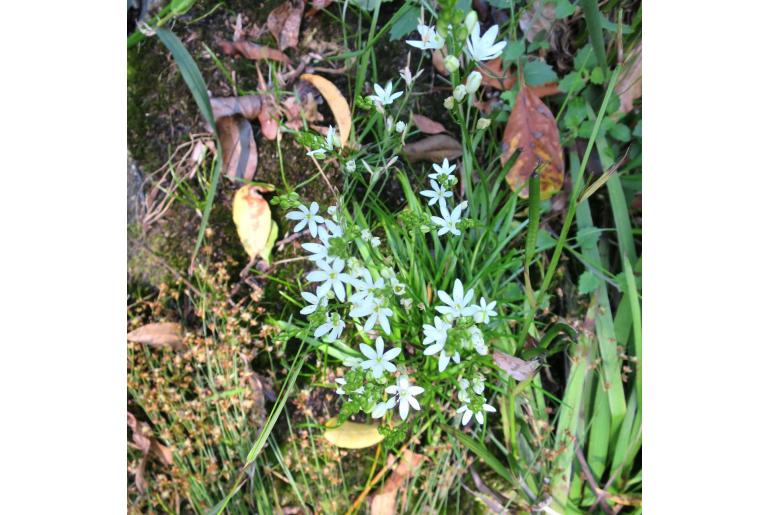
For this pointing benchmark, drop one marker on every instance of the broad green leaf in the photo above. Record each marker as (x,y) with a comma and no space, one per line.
(588,282)
(538,72)
(513,51)
(405,23)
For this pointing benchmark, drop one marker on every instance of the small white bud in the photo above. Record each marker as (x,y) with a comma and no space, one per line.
(449,102)
(473,83)
(483,123)
(350,166)
(459,92)
(400,126)
(471,19)
(451,63)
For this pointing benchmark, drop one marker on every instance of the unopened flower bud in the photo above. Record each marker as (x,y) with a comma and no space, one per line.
(459,92)
(483,123)
(473,83)
(449,102)
(451,63)
(400,126)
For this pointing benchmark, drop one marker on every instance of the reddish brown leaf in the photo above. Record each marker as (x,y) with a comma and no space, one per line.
(162,452)
(532,128)
(433,148)
(515,367)
(139,434)
(235,134)
(165,334)
(283,22)
(438,62)
(427,125)
(251,50)
(247,106)
(629,86)
(492,75)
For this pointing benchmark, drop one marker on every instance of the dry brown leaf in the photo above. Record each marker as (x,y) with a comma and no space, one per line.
(318,5)
(235,134)
(337,103)
(517,368)
(139,434)
(283,23)
(162,452)
(164,334)
(141,484)
(251,50)
(384,501)
(532,128)
(433,148)
(251,214)
(247,106)
(629,86)
(352,435)
(426,125)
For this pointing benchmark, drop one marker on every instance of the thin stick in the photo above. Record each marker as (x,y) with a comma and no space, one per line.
(591,481)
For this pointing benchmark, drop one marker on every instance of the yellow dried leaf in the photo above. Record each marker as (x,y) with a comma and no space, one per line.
(352,435)
(251,215)
(337,103)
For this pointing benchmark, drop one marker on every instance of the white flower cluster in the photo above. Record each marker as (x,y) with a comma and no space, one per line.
(477,47)
(441,183)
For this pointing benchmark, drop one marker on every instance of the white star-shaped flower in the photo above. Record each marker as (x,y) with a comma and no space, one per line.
(406,395)
(436,334)
(382,407)
(330,276)
(379,360)
(443,359)
(365,288)
(436,194)
(468,414)
(307,217)
(484,48)
(458,305)
(448,222)
(443,170)
(429,39)
(385,96)
(332,328)
(315,301)
(484,311)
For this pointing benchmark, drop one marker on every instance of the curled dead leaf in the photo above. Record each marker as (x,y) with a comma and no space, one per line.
(629,86)
(251,214)
(426,125)
(283,23)
(163,334)
(433,148)
(532,129)
(517,368)
(251,50)
(318,5)
(337,103)
(247,106)
(352,435)
(538,18)
(239,150)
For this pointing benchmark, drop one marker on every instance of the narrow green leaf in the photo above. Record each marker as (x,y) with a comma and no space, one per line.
(594,23)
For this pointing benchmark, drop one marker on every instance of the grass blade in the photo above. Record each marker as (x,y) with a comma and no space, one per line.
(594,24)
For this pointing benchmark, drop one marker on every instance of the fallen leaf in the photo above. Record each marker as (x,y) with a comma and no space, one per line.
(164,334)
(247,106)
(629,86)
(337,103)
(492,75)
(235,134)
(384,501)
(139,434)
(251,214)
(352,435)
(283,23)
(437,58)
(433,148)
(268,120)
(532,128)
(251,50)
(162,452)
(517,368)
(318,5)
(426,125)
(141,484)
